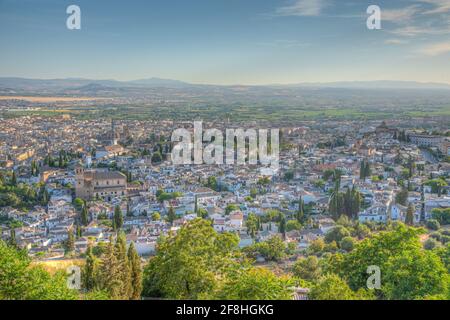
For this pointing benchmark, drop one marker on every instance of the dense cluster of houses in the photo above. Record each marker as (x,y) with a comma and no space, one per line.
(114,176)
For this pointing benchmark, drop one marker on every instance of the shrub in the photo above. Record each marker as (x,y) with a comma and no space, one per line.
(347,244)
(430,244)
(433,224)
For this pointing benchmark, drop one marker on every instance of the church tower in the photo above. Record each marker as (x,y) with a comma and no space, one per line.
(79,180)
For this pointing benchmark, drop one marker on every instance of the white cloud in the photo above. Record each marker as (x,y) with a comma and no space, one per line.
(303,8)
(402,15)
(284,44)
(396,41)
(440,6)
(436,49)
(412,31)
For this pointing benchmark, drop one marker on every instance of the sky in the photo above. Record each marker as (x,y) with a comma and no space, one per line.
(227,41)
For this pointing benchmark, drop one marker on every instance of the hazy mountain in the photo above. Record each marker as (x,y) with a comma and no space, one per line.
(382,84)
(158,82)
(13,83)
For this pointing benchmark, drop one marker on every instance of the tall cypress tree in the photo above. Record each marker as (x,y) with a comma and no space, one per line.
(409,219)
(70,242)
(301,210)
(110,273)
(171,216)
(90,273)
(43,196)
(283,225)
(79,232)
(335,205)
(123,265)
(12,238)
(13,179)
(136,272)
(367,171)
(60,160)
(118,218)
(196,205)
(362,170)
(84,216)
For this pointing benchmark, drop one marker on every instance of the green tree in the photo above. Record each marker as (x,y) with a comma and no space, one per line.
(402,197)
(407,267)
(272,249)
(252,283)
(252,225)
(347,244)
(136,272)
(117,218)
(124,266)
(202,213)
(335,205)
(336,234)
(307,268)
(332,287)
(253,193)
(78,203)
(12,238)
(409,219)
(430,244)
(110,278)
(20,280)
(156,216)
(289,175)
(190,263)
(436,185)
(70,242)
(84,216)
(415,275)
(362,170)
(317,246)
(230,208)
(157,157)
(171,216)
(293,225)
(90,272)
(13,179)
(212,183)
(441,215)
(282,227)
(433,224)
(301,211)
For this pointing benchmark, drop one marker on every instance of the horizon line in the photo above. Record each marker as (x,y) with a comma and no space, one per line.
(232,84)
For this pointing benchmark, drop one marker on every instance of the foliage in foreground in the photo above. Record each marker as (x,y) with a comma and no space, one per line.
(199,263)
(19,280)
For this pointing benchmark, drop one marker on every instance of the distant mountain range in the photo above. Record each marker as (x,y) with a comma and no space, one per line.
(383,84)
(80,84)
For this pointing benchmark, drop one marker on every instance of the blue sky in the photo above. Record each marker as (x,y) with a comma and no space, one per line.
(227,41)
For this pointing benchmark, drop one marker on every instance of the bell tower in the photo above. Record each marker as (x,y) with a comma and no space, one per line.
(79,181)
